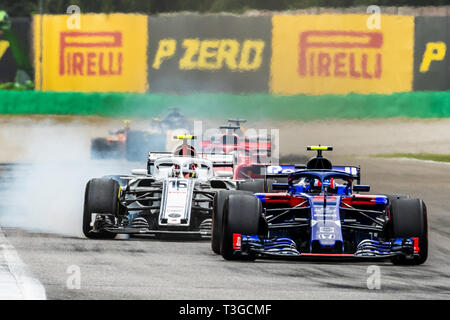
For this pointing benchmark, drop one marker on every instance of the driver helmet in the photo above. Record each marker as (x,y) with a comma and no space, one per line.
(315,185)
(176,170)
(332,183)
(333,186)
(190,171)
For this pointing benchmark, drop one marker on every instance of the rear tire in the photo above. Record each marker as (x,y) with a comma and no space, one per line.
(393,197)
(101,196)
(256,186)
(409,220)
(242,214)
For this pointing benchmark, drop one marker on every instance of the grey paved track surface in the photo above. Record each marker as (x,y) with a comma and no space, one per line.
(154,269)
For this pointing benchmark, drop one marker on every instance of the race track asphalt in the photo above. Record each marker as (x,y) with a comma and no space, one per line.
(156,269)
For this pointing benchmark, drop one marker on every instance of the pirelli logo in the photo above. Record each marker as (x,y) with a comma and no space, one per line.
(91,53)
(335,54)
(338,54)
(107,54)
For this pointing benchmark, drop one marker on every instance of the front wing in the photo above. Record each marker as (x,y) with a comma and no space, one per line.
(285,248)
(203,233)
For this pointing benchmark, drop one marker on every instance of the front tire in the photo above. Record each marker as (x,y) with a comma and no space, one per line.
(242,215)
(393,197)
(217,217)
(409,220)
(101,197)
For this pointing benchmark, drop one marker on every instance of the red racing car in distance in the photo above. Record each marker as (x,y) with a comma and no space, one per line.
(246,149)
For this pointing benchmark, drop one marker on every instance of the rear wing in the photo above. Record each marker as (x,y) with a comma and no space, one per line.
(219,160)
(230,127)
(237,121)
(354,171)
(285,170)
(153,156)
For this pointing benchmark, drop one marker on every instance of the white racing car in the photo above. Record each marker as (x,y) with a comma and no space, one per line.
(173,195)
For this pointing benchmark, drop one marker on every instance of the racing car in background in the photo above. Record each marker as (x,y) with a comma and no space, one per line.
(320,214)
(247,148)
(134,144)
(173,195)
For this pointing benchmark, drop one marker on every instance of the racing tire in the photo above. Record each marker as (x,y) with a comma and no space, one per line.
(101,196)
(217,217)
(409,220)
(242,214)
(254,186)
(393,197)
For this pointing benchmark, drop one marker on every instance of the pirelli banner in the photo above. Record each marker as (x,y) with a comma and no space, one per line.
(213,53)
(320,54)
(282,54)
(101,53)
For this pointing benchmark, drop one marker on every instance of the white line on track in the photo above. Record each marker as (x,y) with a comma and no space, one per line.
(444,163)
(16,281)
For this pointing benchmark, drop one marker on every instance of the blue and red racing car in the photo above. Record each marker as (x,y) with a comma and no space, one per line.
(319,213)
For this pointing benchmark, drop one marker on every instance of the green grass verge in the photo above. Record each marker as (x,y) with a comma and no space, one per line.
(221,105)
(419,156)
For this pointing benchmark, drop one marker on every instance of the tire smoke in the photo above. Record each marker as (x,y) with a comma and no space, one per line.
(43,191)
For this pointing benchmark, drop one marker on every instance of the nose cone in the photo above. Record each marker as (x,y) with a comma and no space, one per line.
(326,233)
